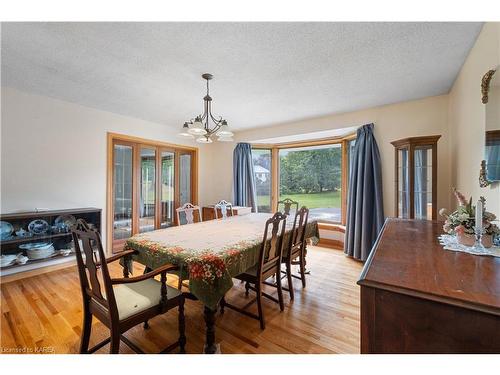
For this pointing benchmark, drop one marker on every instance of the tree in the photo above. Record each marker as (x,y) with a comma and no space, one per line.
(310,171)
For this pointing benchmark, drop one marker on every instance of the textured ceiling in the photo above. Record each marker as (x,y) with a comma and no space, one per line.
(265,73)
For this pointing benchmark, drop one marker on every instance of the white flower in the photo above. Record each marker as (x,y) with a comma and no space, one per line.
(463,217)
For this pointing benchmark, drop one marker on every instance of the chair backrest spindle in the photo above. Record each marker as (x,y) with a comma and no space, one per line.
(272,244)
(223,206)
(188,209)
(287,205)
(297,238)
(90,258)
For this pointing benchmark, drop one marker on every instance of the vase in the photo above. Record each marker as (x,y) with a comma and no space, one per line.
(466,239)
(487,240)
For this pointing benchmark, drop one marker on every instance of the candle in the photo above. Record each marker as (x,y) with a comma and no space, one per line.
(479,217)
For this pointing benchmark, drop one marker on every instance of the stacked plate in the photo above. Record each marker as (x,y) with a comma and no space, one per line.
(38,250)
(7,260)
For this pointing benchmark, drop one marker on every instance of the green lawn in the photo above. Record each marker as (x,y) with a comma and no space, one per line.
(313,200)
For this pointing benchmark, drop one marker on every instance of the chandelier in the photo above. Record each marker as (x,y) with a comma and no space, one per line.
(200,126)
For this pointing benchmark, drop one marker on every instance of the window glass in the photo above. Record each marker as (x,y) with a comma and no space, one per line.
(147,190)
(262,170)
(167,189)
(185,178)
(312,176)
(122,191)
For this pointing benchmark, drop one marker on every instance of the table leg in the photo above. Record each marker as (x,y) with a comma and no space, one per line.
(210,346)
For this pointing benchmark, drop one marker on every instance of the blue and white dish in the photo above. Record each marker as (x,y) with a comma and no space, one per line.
(23,233)
(38,226)
(38,250)
(21,259)
(35,245)
(65,221)
(6,230)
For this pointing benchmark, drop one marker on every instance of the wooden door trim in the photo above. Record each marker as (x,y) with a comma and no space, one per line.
(149,142)
(136,143)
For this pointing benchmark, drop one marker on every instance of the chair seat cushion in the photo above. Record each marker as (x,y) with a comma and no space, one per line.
(132,298)
(252,271)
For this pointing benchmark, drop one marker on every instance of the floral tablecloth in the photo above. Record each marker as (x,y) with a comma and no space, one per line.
(209,253)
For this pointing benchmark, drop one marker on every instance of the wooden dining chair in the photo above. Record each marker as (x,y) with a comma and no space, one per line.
(296,250)
(287,204)
(188,210)
(124,302)
(223,206)
(269,265)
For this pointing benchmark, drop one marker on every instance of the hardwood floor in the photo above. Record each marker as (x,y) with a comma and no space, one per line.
(43,313)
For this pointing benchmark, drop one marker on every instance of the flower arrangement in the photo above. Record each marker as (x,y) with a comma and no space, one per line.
(207,267)
(462,220)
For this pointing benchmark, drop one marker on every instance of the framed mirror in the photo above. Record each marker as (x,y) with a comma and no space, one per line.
(490,87)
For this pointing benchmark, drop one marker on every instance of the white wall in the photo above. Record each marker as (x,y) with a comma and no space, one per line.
(414,118)
(54,152)
(467,118)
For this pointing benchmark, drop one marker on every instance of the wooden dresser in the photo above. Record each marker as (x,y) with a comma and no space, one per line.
(417,297)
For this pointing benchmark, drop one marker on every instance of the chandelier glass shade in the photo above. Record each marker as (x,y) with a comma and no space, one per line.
(206,125)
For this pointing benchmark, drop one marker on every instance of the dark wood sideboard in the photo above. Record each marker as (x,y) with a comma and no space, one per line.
(417,297)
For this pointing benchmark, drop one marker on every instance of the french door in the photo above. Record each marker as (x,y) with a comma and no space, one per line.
(148,182)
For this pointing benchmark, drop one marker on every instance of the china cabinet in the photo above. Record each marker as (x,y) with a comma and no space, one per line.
(32,240)
(416,177)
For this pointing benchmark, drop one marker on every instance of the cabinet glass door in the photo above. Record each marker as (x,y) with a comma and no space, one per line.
(167,189)
(403,184)
(122,191)
(147,189)
(423,182)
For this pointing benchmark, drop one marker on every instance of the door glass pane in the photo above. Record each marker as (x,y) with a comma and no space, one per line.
(185,178)
(167,189)
(423,182)
(262,171)
(122,189)
(147,190)
(403,184)
(312,176)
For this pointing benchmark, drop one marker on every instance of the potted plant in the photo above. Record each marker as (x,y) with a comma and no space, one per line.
(462,222)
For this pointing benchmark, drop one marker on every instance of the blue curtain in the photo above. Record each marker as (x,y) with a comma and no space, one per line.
(243,177)
(365,209)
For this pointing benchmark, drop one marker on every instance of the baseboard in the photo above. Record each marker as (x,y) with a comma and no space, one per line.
(332,244)
(37,271)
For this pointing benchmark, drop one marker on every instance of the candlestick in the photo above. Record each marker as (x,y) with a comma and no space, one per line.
(479,216)
(478,229)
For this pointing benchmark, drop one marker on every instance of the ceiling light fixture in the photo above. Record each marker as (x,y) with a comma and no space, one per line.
(200,128)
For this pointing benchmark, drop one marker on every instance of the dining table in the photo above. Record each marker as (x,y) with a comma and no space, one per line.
(209,254)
